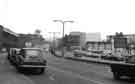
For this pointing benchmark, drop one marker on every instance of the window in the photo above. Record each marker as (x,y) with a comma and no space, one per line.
(33,53)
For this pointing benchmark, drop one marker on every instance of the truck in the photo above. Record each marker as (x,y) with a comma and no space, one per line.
(125,68)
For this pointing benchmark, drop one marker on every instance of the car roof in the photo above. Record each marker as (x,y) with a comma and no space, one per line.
(15,48)
(32,48)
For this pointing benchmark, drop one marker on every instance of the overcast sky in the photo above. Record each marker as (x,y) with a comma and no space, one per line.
(105,16)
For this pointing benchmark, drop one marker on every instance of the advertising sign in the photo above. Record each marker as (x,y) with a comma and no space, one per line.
(120,42)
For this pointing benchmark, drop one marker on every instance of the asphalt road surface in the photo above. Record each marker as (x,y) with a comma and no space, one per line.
(62,71)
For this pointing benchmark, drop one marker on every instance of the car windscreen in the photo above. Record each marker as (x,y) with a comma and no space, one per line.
(33,53)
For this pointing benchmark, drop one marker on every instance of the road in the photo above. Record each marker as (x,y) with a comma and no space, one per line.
(9,75)
(62,71)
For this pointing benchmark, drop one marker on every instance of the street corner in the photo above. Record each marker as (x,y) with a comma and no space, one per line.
(14,79)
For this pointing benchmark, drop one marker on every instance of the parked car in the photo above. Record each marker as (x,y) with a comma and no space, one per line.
(29,59)
(12,54)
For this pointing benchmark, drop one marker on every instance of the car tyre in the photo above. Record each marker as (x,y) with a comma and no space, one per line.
(19,69)
(8,57)
(11,62)
(42,70)
(116,75)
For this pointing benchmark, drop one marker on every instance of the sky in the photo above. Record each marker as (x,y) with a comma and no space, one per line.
(104,16)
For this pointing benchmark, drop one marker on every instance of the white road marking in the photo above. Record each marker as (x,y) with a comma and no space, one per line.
(51,75)
(77,75)
(51,78)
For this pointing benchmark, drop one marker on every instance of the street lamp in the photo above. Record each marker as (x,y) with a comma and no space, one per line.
(63,25)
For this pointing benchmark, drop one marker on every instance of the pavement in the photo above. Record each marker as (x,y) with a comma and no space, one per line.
(9,75)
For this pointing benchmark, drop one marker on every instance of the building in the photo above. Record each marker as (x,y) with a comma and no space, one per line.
(128,44)
(81,38)
(130,37)
(72,40)
(93,37)
(33,39)
(8,38)
(98,46)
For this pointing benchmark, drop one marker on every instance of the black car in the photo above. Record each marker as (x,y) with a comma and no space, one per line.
(29,59)
(12,54)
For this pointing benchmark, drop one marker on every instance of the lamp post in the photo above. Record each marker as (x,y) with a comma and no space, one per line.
(63,25)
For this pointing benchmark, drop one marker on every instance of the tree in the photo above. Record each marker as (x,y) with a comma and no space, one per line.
(119,34)
(37,31)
